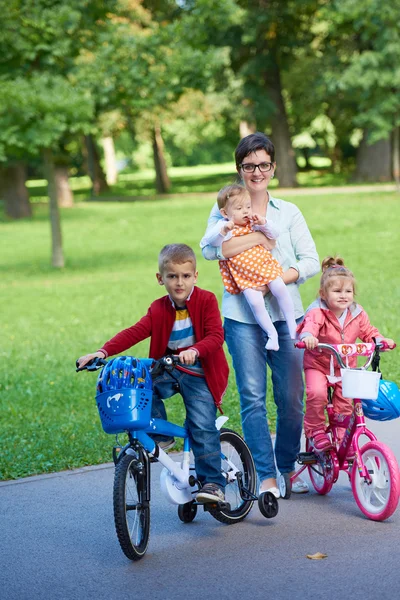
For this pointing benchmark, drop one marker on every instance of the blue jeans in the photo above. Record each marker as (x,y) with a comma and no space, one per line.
(200,420)
(246,345)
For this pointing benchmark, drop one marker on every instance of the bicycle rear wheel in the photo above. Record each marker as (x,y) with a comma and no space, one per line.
(322,472)
(235,456)
(377,499)
(131,506)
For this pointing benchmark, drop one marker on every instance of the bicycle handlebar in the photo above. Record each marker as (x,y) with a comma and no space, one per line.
(166,362)
(346,350)
(93,365)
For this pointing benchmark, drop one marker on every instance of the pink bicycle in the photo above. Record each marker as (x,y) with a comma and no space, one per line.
(372,468)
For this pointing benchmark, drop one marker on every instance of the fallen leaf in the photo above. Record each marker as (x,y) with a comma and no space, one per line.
(317,556)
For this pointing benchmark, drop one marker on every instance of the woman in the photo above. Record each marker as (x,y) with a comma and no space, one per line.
(295,251)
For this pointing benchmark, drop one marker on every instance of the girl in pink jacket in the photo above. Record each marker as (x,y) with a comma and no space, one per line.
(334,318)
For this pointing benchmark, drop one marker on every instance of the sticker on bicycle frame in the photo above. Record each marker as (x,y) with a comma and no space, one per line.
(345,350)
(358,409)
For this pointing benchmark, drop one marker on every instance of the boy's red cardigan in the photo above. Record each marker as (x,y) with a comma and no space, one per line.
(157,324)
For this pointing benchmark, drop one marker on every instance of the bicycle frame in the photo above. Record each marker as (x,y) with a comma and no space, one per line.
(355,427)
(121,409)
(161,427)
(354,424)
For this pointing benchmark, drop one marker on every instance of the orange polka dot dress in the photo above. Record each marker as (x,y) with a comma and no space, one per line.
(249,269)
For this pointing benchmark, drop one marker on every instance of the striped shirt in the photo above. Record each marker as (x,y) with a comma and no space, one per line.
(182,334)
(182,337)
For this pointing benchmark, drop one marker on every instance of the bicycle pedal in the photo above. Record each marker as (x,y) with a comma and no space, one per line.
(216,506)
(306,458)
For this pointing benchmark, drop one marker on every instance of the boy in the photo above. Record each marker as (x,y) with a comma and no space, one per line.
(186,322)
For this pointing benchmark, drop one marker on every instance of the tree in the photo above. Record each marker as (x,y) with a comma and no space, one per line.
(263,37)
(35,114)
(360,46)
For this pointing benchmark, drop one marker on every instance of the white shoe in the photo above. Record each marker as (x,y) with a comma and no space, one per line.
(300,487)
(274,491)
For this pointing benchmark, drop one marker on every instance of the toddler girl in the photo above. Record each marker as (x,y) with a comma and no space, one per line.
(250,270)
(334,318)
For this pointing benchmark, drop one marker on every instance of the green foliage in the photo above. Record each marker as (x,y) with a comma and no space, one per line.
(40,104)
(48,417)
(361,52)
(36,114)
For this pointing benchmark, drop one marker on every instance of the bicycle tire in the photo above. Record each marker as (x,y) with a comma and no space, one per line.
(322,473)
(131,508)
(379,499)
(236,450)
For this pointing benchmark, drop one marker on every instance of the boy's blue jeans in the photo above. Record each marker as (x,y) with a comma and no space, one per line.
(200,420)
(246,345)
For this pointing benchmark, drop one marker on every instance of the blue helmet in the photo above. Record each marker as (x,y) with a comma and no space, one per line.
(386,406)
(123,372)
(123,397)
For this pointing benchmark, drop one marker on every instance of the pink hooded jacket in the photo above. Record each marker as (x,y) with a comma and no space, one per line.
(320,322)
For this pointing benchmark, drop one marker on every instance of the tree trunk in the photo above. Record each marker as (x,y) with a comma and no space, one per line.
(162,180)
(14,191)
(57,256)
(64,193)
(396,156)
(286,169)
(285,156)
(373,162)
(110,160)
(306,155)
(96,173)
(246,128)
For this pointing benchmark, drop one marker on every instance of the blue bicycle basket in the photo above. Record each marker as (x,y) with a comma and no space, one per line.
(387,406)
(124,392)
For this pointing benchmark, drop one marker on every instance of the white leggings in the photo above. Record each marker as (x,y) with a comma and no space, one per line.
(256,303)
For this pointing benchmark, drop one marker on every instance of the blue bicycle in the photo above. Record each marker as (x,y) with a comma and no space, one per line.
(124,401)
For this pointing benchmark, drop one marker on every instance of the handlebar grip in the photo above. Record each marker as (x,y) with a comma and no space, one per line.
(300,345)
(383,346)
(93,365)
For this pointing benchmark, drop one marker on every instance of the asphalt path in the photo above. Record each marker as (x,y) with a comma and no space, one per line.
(58,542)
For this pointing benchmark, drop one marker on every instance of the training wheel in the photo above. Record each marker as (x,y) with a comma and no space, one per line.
(285,485)
(187,512)
(268,505)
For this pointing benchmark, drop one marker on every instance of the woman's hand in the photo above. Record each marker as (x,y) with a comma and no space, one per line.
(83,360)
(239,244)
(264,289)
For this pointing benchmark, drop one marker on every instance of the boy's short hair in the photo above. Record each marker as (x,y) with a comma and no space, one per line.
(230,192)
(176,253)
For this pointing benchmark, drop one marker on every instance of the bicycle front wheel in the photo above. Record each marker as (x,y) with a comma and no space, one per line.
(131,507)
(237,465)
(377,498)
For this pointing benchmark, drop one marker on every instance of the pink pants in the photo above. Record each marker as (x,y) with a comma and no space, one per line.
(317,399)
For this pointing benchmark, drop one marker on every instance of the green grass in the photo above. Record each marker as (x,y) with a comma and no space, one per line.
(49,420)
(184,180)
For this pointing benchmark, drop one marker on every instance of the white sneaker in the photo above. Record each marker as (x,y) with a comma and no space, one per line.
(300,487)
(274,491)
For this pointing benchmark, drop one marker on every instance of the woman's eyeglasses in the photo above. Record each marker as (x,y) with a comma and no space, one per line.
(250,168)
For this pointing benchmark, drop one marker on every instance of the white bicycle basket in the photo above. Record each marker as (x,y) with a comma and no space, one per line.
(360,384)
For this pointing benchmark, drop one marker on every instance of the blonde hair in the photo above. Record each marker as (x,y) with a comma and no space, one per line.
(333,267)
(229,193)
(175,254)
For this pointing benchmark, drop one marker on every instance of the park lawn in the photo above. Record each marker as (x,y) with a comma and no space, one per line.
(49,419)
(198,179)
